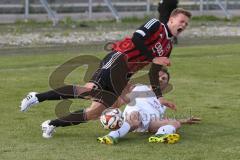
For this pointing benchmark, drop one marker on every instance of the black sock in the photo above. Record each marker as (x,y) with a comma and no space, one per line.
(65,92)
(74,118)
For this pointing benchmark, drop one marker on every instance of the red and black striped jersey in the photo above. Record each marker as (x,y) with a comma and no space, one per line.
(152,39)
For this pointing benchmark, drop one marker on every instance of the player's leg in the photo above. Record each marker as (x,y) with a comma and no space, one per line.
(103,91)
(132,121)
(103,99)
(105,78)
(74,118)
(65,92)
(155,124)
(165,7)
(165,131)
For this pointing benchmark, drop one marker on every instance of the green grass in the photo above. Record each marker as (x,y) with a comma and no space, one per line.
(206,81)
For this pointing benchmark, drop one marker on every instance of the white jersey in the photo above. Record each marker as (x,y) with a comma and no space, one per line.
(144,101)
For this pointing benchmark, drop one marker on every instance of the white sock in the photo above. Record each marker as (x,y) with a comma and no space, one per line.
(121,132)
(167,129)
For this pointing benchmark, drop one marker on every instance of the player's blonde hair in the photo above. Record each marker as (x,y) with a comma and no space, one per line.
(177,11)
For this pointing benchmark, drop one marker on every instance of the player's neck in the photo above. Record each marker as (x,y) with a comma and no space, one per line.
(168,27)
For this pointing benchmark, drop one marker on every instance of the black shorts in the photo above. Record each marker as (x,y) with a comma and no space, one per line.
(110,78)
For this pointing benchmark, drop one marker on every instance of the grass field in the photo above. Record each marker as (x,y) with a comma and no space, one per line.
(206,81)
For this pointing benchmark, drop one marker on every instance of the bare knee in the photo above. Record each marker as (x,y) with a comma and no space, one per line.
(94,111)
(86,88)
(89,85)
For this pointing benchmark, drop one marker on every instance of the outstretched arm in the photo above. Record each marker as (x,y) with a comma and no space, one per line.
(192,120)
(167,103)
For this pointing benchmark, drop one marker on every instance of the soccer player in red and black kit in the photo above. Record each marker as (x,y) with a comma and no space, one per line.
(150,44)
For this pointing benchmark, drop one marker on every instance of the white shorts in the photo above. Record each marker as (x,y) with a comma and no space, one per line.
(147,113)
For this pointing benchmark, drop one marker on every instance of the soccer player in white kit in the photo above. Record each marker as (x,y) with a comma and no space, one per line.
(145,113)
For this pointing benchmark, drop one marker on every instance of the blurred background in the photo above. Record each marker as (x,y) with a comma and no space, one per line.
(12,10)
(41,22)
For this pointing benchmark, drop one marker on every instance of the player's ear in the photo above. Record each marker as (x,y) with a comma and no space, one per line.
(171,19)
(168,88)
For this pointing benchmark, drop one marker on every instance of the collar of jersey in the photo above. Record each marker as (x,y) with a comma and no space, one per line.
(167,30)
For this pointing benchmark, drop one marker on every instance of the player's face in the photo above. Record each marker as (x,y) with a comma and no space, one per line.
(178,24)
(163,79)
